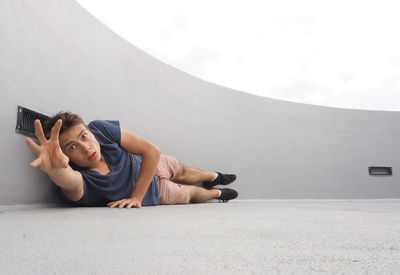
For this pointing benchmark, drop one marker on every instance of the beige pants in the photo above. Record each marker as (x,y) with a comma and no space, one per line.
(169,191)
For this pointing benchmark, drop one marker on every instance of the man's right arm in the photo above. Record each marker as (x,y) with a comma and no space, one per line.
(54,162)
(70,181)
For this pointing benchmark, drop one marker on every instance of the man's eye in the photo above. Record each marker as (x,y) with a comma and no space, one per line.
(73,147)
(84,136)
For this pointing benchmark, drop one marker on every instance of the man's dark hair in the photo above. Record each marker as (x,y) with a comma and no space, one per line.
(68,120)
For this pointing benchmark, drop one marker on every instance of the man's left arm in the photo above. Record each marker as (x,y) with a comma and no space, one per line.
(150,156)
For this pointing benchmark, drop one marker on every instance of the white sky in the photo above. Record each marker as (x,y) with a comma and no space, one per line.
(333,53)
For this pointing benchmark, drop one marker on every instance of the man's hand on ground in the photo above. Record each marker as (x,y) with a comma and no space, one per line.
(50,155)
(128,203)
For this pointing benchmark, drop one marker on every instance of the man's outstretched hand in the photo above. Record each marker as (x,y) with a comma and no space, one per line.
(50,155)
(129,203)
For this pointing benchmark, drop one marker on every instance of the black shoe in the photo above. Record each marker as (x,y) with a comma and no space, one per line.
(227,194)
(221,179)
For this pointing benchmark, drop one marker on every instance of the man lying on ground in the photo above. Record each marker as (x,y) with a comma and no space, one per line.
(101,164)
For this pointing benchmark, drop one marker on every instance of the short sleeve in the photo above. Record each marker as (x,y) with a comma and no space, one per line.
(109,128)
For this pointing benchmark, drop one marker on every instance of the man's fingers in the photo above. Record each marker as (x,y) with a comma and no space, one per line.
(35,163)
(125,202)
(122,204)
(65,162)
(35,148)
(55,131)
(113,204)
(133,204)
(39,131)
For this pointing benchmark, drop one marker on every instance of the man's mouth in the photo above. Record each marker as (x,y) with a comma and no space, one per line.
(93,156)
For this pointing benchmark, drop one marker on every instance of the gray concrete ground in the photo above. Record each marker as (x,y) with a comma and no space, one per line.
(239,237)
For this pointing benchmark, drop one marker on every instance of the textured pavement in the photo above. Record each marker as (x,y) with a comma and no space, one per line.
(239,237)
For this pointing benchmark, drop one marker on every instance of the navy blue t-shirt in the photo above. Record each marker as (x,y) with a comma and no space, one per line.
(124,170)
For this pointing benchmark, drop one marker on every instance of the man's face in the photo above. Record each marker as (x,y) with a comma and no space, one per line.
(80,145)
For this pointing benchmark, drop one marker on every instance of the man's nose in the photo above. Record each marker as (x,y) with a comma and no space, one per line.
(86,146)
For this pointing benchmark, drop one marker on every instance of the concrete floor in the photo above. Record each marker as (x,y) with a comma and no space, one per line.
(239,237)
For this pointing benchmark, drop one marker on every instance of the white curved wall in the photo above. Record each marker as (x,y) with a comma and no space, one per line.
(55,56)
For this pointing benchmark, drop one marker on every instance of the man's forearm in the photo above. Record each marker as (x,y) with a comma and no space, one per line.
(66,178)
(147,170)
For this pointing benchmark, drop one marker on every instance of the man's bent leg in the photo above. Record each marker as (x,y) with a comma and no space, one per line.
(199,194)
(189,175)
(169,168)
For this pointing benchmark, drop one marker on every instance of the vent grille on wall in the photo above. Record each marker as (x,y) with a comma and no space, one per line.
(380,171)
(25,121)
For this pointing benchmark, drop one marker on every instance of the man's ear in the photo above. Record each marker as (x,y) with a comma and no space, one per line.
(59,141)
